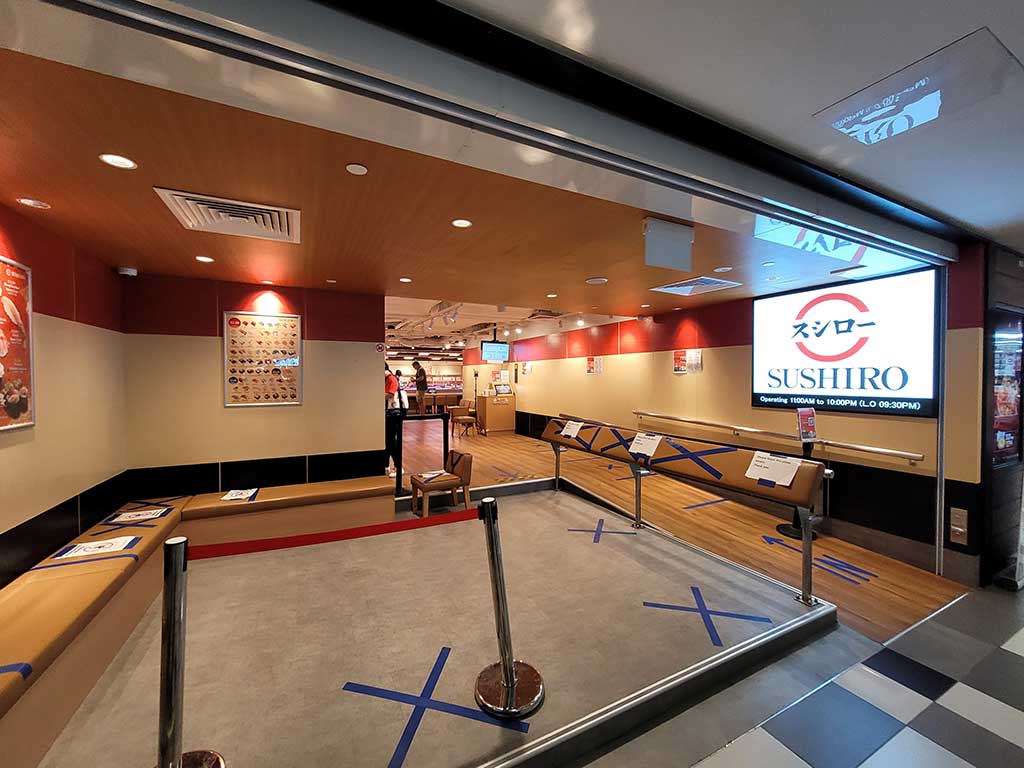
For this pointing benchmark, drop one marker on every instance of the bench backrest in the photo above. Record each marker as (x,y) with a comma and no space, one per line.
(719,465)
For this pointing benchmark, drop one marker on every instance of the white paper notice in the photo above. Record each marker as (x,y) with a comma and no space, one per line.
(572,428)
(142,514)
(645,444)
(98,547)
(245,494)
(779,469)
(504,377)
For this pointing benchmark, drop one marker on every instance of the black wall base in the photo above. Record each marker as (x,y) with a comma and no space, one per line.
(26,544)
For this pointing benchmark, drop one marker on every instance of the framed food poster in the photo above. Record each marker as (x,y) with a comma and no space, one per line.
(262,359)
(17,393)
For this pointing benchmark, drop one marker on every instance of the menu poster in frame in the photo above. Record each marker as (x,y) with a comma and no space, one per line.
(262,359)
(17,385)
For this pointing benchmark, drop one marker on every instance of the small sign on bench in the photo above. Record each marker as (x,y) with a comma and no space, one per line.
(246,494)
(142,514)
(778,470)
(119,544)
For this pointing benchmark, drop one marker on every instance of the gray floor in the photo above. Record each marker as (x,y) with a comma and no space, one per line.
(274,637)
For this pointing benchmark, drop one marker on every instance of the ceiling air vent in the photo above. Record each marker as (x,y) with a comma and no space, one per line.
(696,285)
(202,213)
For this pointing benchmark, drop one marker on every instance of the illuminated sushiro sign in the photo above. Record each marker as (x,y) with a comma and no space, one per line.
(867,347)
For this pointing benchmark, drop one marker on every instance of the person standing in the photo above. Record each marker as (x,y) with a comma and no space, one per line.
(421,387)
(397,407)
(391,387)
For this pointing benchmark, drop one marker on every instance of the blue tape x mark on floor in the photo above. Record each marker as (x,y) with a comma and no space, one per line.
(707,614)
(424,701)
(600,531)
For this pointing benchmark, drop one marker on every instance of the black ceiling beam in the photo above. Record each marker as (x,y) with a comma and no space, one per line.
(460,33)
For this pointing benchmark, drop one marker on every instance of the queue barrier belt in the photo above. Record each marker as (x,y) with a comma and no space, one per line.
(724,466)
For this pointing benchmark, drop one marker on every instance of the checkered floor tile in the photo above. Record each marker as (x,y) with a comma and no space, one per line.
(948,694)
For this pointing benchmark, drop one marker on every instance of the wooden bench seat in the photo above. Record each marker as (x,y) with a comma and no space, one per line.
(63,620)
(277,497)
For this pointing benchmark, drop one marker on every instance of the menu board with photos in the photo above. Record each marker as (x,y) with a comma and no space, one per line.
(262,359)
(17,396)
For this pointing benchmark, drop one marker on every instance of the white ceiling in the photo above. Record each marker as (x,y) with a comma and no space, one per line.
(768,68)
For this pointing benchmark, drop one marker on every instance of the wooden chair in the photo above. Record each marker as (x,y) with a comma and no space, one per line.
(461,418)
(458,474)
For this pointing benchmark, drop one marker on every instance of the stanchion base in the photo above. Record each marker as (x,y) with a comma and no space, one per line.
(793,532)
(490,691)
(203,758)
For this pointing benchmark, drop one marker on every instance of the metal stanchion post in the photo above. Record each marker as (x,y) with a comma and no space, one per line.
(638,475)
(808,557)
(507,688)
(558,465)
(172,665)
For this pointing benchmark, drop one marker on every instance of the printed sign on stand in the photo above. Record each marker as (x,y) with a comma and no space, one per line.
(572,428)
(770,467)
(645,444)
(806,424)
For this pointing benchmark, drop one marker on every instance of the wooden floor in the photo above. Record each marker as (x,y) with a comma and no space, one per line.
(876,595)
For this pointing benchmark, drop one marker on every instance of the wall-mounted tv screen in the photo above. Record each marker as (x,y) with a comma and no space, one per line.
(865,347)
(494,351)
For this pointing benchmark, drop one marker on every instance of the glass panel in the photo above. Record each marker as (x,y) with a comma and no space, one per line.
(1006,383)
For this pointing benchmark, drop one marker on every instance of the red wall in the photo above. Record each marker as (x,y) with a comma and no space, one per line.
(187,307)
(730,323)
(66,282)
(718,325)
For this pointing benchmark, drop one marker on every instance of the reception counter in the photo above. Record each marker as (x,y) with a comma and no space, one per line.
(496,413)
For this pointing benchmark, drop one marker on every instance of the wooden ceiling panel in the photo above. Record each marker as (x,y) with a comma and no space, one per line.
(365,232)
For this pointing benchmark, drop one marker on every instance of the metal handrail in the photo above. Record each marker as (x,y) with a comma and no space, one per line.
(736,429)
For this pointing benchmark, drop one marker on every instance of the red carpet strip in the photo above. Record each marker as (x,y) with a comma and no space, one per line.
(206,551)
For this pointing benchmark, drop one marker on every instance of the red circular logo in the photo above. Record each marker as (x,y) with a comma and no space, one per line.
(812,331)
(234,322)
(380,347)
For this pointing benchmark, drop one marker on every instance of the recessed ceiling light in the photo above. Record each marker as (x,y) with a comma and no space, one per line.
(405,279)
(593,307)
(773,278)
(356,169)
(644,306)
(580,322)
(767,263)
(552,295)
(596,280)
(462,223)
(332,282)
(119,161)
(204,259)
(33,203)
(506,331)
(676,309)
(267,282)
(408,357)
(723,269)
(519,330)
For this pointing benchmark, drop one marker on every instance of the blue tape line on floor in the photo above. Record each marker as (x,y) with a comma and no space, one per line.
(828,563)
(600,531)
(705,503)
(423,702)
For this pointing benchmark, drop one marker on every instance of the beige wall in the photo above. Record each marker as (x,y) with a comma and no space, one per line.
(176,413)
(645,381)
(78,440)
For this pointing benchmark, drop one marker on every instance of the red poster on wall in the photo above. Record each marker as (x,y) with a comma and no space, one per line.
(17,397)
